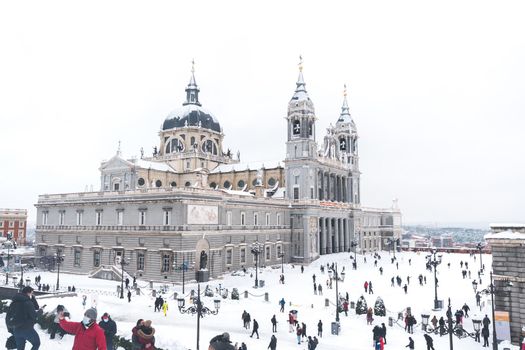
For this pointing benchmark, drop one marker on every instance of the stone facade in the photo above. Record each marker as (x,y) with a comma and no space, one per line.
(507,242)
(191,198)
(14,222)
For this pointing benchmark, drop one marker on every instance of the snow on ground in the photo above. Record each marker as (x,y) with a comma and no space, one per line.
(177,331)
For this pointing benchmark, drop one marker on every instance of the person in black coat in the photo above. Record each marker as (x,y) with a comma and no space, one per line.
(255,329)
(222,342)
(21,317)
(274,324)
(410,343)
(273,343)
(110,329)
(430,342)
(320,329)
(485,333)
(383,332)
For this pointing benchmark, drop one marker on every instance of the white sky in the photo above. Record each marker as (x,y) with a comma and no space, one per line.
(436,90)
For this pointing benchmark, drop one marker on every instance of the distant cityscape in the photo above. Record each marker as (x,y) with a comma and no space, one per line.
(421,236)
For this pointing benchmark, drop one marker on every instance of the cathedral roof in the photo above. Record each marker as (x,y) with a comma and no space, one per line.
(191,113)
(345,117)
(300,91)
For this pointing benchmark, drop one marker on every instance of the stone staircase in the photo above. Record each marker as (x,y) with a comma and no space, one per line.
(109,272)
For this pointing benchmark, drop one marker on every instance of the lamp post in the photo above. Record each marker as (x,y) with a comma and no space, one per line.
(9,244)
(424,321)
(336,276)
(476,323)
(184,268)
(256,250)
(59,258)
(450,328)
(480,248)
(431,259)
(281,255)
(122,263)
(492,290)
(21,283)
(353,244)
(198,309)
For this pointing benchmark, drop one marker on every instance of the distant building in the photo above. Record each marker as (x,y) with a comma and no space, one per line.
(508,265)
(14,222)
(444,241)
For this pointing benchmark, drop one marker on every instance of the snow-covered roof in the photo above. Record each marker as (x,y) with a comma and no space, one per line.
(509,234)
(146,164)
(238,193)
(509,225)
(227,168)
(279,194)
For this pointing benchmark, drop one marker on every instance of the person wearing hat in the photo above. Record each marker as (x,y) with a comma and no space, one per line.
(21,317)
(110,329)
(88,334)
(222,342)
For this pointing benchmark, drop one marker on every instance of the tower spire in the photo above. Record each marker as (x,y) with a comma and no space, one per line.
(192,90)
(300,90)
(344,109)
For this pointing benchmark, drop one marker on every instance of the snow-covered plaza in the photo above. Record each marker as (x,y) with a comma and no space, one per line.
(178,331)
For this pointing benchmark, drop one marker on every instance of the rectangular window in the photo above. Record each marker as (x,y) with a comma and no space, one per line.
(120,218)
(77,258)
(278,219)
(279,251)
(229,256)
(243,256)
(165,263)
(140,261)
(80,215)
(229,218)
(142,241)
(22,224)
(44,218)
(142,217)
(311,192)
(98,218)
(268,252)
(11,224)
(1,224)
(96,258)
(167,217)
(61,217)
(255,219)
(243,219)
(296,193)
(42,251)
(267,219)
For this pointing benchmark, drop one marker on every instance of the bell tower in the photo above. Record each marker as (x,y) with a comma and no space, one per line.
(301,148)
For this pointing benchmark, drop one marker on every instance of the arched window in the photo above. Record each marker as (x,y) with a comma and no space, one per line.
(213,185)
(296,127)
(227,184)
(342,144)
(187,184)
(141,182)
(271,182)
(158,183)
(310,128)
(173,184)
(240,184)
(209,146)
(174,145)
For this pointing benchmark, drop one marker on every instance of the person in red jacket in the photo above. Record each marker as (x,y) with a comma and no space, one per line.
(88,334)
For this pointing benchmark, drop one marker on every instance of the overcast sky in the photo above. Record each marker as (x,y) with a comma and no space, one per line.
(436,90)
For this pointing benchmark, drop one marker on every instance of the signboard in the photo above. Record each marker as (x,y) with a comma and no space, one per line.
(502,325)
(203,214)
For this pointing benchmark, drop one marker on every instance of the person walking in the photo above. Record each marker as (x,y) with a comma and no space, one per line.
(466,309)
(291,322)
(282,303)
(88,334)
(129,296)
(273,343)
(320,289)
(110,329)
(298,332)
(383,331)
(370,290)
(320,329)
(165,308)
(345,307)
(366,286)
(485,333)
(410,343)
(303,330)
(405,288)
(255,329)
(274,324)
(434,321)
(430,342)
(21,317)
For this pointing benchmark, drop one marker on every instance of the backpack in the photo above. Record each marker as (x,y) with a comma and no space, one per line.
(12,317)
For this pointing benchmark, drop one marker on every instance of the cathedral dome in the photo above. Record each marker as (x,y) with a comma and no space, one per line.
(191,115)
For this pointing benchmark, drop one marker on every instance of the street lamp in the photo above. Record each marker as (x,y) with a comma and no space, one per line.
(480,248)
(122,263)
(198,309)
(184,268)
(475,286)
(353,244)
(476,323)
(9,245)
(450,328)
(336,276)
(21,283)
(431,259)
(59,258)
(281,255)
(256,250)
(424,321)
(492,290)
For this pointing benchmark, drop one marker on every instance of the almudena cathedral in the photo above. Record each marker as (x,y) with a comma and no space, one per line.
(192,199)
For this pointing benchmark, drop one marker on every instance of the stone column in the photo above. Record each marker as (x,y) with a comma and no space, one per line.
(329,236)
(322,236)
(336,235)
